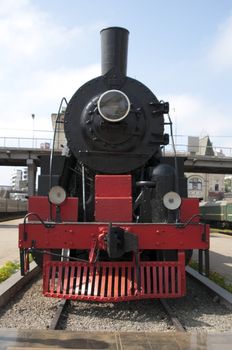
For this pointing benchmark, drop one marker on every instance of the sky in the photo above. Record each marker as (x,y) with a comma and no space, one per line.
(182,50)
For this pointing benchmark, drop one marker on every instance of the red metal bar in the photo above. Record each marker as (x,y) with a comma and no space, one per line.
(65,283)
(90,280)
(53,279)
(96,283)
(100,291)
(154,268)
(83,285)
(142,272)
(129,282)
(80,235)
(103,281)
(71,281)
(166,279)
(78,279)
(181,260)
(173,279)
(116,279)
(110,284)
(160,280)
(123,280)
(59,283)
(148,271)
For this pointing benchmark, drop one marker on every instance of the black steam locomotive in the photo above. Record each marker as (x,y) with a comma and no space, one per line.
(112,221)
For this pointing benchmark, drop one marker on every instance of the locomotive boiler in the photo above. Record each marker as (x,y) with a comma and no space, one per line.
(112,221)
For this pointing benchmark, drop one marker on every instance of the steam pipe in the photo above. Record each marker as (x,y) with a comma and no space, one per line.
(114,47)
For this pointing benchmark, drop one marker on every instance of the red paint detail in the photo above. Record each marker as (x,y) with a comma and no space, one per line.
(188,208)
(113,202)
(80,235)
(41,206)
(181,272)
(113,186)
(95,282)
(93,251)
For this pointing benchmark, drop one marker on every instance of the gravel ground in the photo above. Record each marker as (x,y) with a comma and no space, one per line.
(141,316)
(30,310)
(198,311)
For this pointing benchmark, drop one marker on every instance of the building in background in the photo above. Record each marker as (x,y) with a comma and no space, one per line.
(16,177)
(19,180)
(58,126)
(204,186)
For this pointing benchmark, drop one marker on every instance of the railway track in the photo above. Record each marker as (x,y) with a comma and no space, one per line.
(56,317)
(35,311)
(173,317)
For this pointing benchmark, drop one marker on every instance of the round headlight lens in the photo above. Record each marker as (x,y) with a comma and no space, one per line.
(113,105)
(172,200)
(57,195)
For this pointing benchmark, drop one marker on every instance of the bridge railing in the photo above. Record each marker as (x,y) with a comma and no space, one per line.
(182,149)
(25,142)
(46,143)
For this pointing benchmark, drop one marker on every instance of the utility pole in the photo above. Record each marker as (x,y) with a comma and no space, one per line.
(33,129)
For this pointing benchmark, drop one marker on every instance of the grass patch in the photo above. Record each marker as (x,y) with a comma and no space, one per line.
(214,276)
(8,269)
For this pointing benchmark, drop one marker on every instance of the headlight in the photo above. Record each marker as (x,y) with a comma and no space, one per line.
(113,105)
(57,195)
(172,200)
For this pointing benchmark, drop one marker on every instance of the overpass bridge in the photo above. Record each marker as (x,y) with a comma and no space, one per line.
(30,157)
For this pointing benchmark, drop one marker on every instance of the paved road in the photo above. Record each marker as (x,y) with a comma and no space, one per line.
(9,241)
(220,255)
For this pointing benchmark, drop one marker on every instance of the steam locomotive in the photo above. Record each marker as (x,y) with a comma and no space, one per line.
(112,221)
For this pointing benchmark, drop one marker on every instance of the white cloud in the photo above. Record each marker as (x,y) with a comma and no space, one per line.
(220,54)
(192,115)
(34,76)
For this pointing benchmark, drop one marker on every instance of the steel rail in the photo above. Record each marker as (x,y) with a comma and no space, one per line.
(56,318)
(175,321)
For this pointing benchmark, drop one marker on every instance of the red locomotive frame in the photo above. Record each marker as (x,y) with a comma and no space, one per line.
(110,280)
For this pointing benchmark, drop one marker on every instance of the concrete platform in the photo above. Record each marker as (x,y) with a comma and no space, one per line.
(35,339)
(220,248)
(220,255)
(9,241)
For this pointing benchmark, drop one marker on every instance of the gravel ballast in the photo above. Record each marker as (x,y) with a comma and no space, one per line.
(140,316)
(198,311)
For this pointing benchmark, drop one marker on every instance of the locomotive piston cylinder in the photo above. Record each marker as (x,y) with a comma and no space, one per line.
(114,47)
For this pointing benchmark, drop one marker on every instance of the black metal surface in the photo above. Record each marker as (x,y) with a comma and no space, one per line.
(124,145)
(113,147)
(164,177)
(183,192)
(120,242)
(114,47)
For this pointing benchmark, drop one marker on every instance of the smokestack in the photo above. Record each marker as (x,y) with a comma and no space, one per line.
(114,46)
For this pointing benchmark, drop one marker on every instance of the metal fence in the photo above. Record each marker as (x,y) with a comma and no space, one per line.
(181,147)
(25,142)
